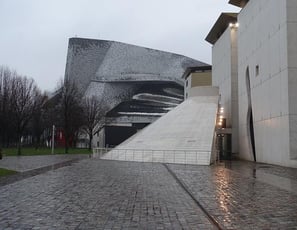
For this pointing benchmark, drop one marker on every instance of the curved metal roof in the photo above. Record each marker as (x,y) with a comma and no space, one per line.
(110,61)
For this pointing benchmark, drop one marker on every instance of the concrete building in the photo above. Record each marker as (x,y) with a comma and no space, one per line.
(196,77)
(255,66)
(223,37)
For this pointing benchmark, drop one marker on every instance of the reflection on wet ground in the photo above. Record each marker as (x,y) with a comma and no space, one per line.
(239,196)
(282,177)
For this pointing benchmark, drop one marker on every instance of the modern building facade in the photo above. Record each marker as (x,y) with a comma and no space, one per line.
(223,37)
(135,85)
(255,66)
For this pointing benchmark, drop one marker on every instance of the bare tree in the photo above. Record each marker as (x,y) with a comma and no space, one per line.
(7,124)
(71,111)
(23,104)
(19,99)
(38,121)
(93,116)
(1,104)
(52,113)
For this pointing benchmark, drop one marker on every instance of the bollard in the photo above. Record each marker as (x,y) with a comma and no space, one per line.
(0,154)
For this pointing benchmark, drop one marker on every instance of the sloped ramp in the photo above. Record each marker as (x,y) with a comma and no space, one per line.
(184,135)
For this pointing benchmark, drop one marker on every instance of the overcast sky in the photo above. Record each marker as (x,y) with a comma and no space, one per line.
(34,33)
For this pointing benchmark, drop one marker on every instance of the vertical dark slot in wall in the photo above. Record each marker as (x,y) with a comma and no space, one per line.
(250,120)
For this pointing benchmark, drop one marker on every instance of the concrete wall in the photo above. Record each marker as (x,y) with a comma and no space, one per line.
(224,76)
(234,90)
(267,52)
(197,79)
(199,91)
(99,139)
(292,74)
(221,60)
(201,79)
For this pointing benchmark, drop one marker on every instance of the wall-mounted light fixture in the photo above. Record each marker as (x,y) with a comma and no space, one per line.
(220,117)
(234,25)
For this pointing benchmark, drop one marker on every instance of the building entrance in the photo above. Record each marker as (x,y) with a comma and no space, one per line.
(224,146)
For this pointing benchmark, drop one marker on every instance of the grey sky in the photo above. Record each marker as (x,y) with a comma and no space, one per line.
(34,33)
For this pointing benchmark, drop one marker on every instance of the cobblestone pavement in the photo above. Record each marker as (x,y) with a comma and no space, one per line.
(282,177)
(97,194)
(239,197)
(26,163)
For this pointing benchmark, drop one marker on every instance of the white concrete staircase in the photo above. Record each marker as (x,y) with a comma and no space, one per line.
(184,135)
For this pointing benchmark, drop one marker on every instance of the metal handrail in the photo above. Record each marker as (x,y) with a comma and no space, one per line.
(185,156)
(186,149)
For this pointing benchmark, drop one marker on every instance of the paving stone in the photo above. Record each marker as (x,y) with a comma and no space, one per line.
(237,199)
(97,194)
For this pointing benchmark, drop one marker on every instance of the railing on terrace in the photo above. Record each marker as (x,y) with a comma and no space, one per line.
(179,156)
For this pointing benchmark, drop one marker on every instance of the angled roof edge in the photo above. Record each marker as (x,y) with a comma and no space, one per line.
(85,41)
(239,3)
(220,26)
(196,69)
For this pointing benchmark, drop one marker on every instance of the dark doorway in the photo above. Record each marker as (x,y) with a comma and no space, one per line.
(250,120)
(115,135)
(224,146)
(252,135)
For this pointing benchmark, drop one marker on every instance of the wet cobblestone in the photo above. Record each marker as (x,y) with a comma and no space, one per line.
(237,199)
(97,194)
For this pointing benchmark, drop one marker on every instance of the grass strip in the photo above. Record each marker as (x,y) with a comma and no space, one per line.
(31,151)
(6,172)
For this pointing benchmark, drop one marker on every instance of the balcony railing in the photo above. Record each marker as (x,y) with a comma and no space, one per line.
(185,156)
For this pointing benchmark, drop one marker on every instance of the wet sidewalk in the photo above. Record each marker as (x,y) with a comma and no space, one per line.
(102,194)
(244,195)
(98,194)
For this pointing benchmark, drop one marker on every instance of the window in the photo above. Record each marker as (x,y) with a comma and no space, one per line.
(187,83)
(257,70)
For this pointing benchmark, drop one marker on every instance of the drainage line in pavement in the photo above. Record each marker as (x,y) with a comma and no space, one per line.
(187,190)
(23,175)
